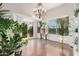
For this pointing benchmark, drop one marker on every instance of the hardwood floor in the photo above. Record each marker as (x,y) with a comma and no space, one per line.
(38,47)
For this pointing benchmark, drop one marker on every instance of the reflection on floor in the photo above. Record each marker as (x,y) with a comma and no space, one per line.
(38,47)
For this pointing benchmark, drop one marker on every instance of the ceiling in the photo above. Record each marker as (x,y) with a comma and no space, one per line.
(26,8)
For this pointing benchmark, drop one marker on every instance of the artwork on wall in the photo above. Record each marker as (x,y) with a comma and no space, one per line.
(63,24)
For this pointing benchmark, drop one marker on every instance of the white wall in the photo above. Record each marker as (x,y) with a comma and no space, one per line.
(67,39)
(60,11)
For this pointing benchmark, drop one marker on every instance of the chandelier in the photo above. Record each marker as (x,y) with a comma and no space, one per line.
(39,11)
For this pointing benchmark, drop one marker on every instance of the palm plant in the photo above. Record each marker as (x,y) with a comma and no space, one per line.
(8,46)
(4,43)
(3,12)
(76,12)
(5,23)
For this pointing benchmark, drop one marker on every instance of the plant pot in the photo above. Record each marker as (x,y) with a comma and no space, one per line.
(18,53)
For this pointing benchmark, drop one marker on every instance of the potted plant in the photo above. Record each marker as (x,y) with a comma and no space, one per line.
(8,43)
(76,12)
(23,42)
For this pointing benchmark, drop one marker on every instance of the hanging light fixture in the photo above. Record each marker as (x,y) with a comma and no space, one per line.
(39,11)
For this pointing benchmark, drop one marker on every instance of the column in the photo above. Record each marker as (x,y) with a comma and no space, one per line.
(35,29)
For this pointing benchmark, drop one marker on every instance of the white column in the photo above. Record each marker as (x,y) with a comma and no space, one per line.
(35,29)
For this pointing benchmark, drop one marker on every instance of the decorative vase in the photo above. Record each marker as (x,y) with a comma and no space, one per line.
(18,52)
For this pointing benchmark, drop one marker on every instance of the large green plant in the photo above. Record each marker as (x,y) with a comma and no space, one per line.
(8,46)
(3,43)
(16,27)
(5,23)
(20,28)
